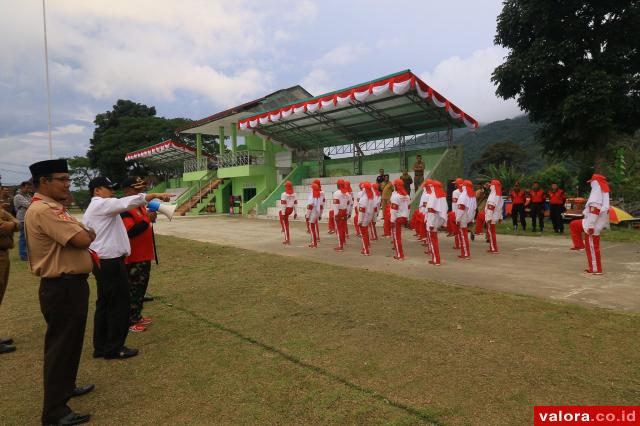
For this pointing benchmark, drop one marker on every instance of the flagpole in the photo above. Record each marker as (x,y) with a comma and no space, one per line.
(46,72)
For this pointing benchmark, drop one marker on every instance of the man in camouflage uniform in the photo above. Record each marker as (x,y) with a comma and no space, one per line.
(138,223)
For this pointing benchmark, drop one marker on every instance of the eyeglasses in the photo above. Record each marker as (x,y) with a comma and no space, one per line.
(62,179)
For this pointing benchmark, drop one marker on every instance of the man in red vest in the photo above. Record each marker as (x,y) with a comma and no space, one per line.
(557,198)
(138,223)
(537,196)
(518,199)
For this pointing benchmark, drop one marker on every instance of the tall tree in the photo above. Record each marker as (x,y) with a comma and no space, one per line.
(128,127)
(574,66)
(81,172)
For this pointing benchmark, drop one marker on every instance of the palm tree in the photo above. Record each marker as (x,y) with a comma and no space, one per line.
(508,175)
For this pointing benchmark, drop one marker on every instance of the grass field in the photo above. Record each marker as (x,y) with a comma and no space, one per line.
(247,338)
(615,234)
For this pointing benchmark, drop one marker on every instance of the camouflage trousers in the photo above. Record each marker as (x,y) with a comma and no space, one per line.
(139,273)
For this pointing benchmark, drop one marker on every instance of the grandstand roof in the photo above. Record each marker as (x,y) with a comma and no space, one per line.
(399,104)
(166,153)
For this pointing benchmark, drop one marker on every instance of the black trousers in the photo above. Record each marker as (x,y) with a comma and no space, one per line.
(517,210)
(111,321)
(64,303)
(537,212)
(556,217)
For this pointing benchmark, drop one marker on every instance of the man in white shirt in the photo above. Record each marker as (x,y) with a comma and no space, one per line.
(111,245)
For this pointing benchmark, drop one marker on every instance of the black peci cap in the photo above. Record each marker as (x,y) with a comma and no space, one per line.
(47,167)
(102,182)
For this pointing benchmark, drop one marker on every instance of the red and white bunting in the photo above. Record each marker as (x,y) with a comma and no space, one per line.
(398,85)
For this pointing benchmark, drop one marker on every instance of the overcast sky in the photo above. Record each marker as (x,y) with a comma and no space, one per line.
(192,58)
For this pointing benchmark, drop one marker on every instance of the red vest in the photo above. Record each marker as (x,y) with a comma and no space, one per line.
(557,197)
(141,244)
(537,196)
(518,197)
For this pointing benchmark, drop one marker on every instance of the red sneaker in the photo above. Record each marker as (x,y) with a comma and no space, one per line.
(145,321)
(137,328)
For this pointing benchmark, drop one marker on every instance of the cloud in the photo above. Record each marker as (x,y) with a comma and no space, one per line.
(27,148)
(467,83)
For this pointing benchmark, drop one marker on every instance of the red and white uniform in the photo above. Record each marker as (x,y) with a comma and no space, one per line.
(350,205)
(365,215)
(465,212)
(322,203)
(357,212)
(451,218)
(493,213)
(314,209)
(596,218)
(427,194)
(340,210)
(376,211)
(399,213)
(288,204)
(436,217)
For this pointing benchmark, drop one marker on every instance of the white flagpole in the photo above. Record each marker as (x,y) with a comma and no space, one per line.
(46,71)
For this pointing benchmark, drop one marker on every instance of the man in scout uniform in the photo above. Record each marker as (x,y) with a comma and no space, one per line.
(8,225)
(58,253)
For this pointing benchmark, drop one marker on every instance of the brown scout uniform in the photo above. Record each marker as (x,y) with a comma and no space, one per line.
(64,298)
(6,243)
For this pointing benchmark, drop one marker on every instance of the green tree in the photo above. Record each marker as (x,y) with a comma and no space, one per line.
(574,67)
(506,174)
(498,153)
(81,172)
(557,173)
(128,127)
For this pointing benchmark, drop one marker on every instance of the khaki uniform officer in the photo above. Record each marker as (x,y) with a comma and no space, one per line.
(58,253)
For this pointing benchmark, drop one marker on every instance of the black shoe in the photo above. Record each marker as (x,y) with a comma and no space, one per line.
(123,353)
(147,298)
(98,354)
(8,341)
(74,419)
(5,349)
(82,390)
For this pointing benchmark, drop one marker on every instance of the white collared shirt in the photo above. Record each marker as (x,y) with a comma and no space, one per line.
(103,216)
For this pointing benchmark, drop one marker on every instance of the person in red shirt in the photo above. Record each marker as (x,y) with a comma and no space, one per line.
(537,196)
(518,199)
(138,223)
(557,198)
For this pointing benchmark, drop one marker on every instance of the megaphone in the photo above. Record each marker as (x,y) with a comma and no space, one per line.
(166,209)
